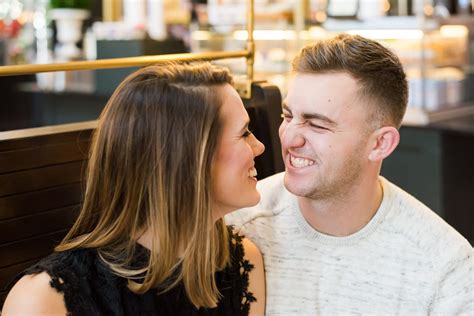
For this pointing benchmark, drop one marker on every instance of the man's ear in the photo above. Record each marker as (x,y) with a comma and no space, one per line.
(384,141)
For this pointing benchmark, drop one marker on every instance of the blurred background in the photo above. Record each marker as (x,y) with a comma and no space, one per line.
(432,37)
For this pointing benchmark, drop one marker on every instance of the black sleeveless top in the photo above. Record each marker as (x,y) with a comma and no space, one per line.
(90,288)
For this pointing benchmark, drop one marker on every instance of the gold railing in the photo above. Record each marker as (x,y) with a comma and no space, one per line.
(116,62)
(144,60)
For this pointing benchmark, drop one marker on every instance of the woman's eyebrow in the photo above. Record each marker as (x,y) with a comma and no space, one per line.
(246,126)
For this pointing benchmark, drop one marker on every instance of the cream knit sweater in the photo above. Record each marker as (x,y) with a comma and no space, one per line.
(405,261)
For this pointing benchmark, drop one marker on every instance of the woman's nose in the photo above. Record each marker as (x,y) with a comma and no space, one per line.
(258,147)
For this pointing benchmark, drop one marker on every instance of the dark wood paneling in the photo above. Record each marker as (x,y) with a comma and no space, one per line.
(35,157)
(3,296)
(40,192)
(8,274)
(29,226)
(41,178)
(31,141)
(39,201)
(29,249)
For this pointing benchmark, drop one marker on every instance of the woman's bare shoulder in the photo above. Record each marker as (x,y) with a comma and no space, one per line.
(256,276)
(252,253)
(33,295)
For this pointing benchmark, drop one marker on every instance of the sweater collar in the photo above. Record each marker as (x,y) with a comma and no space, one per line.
(311,234)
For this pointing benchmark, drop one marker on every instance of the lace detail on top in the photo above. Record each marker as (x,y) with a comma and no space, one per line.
(244,267)
(90,288)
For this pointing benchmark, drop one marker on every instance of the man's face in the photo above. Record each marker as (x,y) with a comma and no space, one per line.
(324,135)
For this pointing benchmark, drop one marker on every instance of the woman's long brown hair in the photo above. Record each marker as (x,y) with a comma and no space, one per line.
(150,170)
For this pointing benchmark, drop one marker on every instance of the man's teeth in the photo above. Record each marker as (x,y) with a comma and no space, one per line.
(300,162)
(253,172)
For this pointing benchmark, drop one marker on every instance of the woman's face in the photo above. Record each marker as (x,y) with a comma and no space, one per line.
(233,173)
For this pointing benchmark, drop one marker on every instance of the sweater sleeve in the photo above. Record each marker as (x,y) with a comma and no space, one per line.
(455,293)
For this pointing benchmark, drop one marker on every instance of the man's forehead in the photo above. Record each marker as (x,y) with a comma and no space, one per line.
(322,76)
(326,87)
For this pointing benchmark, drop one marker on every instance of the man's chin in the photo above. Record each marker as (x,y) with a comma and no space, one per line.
(298,187)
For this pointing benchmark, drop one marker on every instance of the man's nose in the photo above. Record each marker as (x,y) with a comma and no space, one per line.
(291,135)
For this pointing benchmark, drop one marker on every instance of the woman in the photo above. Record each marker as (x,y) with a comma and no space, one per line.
(171,156)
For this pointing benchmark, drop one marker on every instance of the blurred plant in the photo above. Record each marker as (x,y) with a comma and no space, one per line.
(70,4)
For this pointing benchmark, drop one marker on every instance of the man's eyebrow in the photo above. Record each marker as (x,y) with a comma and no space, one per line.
(316,116)
(312,116)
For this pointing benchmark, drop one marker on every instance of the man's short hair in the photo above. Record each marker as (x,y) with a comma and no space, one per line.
(377,69)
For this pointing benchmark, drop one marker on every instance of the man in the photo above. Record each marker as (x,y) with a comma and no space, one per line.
(338,238)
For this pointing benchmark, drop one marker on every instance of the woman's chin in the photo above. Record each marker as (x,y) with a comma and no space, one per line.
(254,201)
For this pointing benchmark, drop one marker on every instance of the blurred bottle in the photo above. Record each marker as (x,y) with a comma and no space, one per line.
(371,9)
(134,12)
(42,32)
(43,37)
(156,20)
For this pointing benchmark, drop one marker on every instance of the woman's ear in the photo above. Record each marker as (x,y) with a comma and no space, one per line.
(385,140)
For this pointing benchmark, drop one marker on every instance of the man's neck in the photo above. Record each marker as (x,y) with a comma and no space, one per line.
(344,216)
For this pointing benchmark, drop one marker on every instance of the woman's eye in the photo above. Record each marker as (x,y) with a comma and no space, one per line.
(286,117)
(247,133)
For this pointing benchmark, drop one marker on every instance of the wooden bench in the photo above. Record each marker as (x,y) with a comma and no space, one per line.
(40,192)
